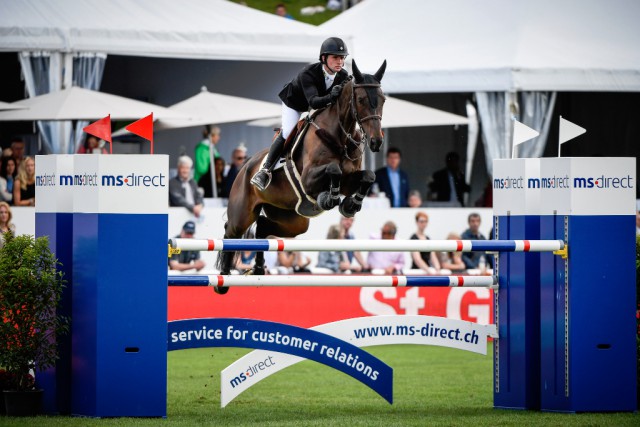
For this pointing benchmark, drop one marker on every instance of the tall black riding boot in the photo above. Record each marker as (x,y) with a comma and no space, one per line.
(262,178)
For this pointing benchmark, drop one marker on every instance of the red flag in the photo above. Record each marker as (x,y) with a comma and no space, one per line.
(143,128)
(100,129)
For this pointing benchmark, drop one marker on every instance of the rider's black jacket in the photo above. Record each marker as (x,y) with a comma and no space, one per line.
(309,89)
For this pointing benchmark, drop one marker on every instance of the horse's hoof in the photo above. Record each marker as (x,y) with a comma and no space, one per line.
(258,271)
(348,212)
(221,290)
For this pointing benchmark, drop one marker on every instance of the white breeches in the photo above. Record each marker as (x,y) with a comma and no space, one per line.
(290,119)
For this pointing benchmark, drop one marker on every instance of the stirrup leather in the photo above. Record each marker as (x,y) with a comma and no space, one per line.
(257,180)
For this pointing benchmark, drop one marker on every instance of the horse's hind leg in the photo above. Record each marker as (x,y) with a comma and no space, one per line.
(352,204)
(329,199)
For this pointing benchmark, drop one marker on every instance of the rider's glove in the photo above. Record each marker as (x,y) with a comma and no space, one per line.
(335,92)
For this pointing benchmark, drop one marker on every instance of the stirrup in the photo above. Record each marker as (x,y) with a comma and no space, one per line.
(259,180)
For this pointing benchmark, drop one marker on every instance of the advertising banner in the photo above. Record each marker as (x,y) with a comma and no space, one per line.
(361,332)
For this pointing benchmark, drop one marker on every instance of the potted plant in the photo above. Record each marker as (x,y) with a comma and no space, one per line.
(30,290)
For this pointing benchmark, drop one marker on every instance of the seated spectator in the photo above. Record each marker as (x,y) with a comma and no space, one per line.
(336,261)
(425,261)
(452,260)
(345,225)
(293,262)
(7,176)
(24,188)
(183,190)
(92,145)
(6,226)
(389,262)
(415,199)
(245,261)
(186,260)
(472,259)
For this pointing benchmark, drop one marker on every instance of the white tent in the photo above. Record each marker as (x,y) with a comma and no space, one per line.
(496,45)
(207,29)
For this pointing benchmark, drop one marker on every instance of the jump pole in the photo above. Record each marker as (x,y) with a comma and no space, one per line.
(333,280)
(278,245)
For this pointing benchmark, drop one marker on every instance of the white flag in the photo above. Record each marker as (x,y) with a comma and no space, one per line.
(521,133)
(569,130)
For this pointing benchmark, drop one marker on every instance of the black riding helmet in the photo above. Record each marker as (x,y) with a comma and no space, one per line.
(333,46)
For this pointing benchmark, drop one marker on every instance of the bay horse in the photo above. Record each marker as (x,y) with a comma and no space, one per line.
(324,163)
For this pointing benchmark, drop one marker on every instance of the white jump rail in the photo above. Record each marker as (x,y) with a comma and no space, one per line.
(278,245)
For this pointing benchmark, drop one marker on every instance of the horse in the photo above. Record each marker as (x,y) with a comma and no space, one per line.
(324,163)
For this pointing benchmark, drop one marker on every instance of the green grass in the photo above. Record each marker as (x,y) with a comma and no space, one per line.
(432,386)
(293,8)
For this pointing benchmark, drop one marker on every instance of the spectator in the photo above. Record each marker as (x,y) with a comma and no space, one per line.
(281,10)
(6,226)
(452,260)
(183,190)
(7,177)
(238,158)
(448,184)
(245,261)
(390,262)
(638,223)
(24,188)
(17,150)
(219,165)
(205,151)
(293,262)
(425,261)
(393,181)
(472,259)
(486,198)
(345,225)
(336,261)
(415,199)
(187,260)
(92,145)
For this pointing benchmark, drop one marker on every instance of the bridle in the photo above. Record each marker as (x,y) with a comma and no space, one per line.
(359,145)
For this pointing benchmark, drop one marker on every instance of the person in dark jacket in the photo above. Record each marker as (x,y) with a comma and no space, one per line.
(393,181)
(316,86)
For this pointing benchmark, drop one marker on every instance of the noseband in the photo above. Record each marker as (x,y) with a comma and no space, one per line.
(354,114)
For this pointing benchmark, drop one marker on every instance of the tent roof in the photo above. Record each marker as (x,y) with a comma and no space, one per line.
(208,29)
(496,45)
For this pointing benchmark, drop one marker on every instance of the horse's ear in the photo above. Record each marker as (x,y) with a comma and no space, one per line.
(356,73)
(378,75)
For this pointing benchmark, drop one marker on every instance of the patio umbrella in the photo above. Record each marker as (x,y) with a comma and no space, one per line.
(398,113)
(8,106)
(76,103)
(213,108)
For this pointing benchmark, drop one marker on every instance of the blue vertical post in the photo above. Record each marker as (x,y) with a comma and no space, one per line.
(588,352)
(54,219)
(517,301)
(120,286)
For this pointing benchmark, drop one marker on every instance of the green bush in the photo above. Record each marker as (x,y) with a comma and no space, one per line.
(30,290)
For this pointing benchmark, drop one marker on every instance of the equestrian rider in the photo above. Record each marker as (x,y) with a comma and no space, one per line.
(316,86)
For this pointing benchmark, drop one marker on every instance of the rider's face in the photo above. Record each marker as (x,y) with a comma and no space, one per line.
(335,63)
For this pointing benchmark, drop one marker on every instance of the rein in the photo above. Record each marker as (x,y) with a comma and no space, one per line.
(358,145)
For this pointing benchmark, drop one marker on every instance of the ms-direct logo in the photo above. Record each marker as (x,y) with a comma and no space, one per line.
(93,180)
(251,371)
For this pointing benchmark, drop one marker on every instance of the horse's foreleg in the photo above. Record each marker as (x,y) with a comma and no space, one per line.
(329,199)
(351,205)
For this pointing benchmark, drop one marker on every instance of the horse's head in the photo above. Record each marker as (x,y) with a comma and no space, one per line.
(368,100)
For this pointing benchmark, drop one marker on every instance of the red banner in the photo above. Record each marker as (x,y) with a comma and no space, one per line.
(306,307)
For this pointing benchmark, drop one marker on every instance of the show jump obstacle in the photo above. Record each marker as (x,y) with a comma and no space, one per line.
(566,323)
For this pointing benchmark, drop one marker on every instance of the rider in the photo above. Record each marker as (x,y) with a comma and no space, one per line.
(316,86)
